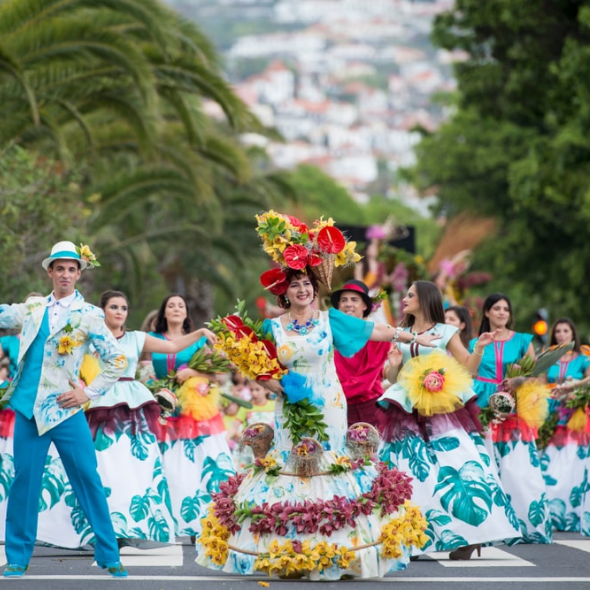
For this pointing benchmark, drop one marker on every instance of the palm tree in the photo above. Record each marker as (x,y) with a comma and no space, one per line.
(119,85)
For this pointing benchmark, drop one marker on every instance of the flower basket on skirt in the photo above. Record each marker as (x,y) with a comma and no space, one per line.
(167,401)
(305,457)
(362,440)
(258,437)
(502,404)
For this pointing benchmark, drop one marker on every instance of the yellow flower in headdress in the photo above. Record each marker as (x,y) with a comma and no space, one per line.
(532,402)
(434,383)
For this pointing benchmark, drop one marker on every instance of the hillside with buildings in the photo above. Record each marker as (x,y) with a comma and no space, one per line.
(345,82)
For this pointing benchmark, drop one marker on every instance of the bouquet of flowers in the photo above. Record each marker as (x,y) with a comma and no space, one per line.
(247,345)
(291,244)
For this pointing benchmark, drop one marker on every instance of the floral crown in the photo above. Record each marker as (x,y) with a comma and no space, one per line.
(292,244)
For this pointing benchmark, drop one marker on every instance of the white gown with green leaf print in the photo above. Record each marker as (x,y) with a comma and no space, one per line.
(123,424)
(282,522)
(455,483)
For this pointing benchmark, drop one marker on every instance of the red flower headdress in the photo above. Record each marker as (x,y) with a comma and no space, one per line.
(291,244)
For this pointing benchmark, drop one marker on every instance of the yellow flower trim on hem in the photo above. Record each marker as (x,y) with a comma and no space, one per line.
(196,404)
(456,381)
(532,402)
(407,530)
(214,539)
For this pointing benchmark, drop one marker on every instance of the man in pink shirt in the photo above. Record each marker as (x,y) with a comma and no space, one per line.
(362,374)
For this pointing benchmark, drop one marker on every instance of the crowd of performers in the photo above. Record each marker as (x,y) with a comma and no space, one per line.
(362,447)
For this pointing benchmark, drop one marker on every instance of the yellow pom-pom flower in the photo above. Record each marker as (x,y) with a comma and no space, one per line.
(532,402)
(434,383)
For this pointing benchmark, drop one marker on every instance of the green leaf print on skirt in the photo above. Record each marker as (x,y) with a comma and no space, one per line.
(538,510)
(191,506)
(447,443)
(53,483)
(216,471)
(158,527)
(78,518)
(468,497)
(557,508)
(416,451)
(449,540)
(534,454)
(6,475)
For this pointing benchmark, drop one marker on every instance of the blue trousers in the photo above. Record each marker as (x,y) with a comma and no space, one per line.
(75,447)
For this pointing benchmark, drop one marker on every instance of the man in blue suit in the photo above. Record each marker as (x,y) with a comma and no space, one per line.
(56,332)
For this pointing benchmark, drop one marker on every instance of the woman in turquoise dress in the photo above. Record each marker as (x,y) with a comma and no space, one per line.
(124,424)
(512,441)
(285,518)
(194,448)
(433,434)
(563,460)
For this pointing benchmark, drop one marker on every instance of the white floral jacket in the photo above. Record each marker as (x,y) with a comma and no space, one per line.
(83,325)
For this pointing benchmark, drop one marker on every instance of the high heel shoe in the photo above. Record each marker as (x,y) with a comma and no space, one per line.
(464,553)
(115,568)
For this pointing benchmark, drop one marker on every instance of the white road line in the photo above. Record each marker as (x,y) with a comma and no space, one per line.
(490,557)
(582,545)
(396,580)
(166,556)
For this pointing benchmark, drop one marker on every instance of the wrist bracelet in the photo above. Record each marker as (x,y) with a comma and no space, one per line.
(414,336)
(395,334)
(477,353)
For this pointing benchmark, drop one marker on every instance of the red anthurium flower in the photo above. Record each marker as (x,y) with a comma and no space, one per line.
(295,256)
(331,240)
(314,259)
(301,227)
(232,322)
(245,331)
(275,280)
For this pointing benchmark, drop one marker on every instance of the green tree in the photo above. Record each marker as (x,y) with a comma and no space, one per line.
(516,147)
(40,203)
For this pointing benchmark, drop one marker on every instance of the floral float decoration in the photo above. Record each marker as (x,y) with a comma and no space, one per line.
(292,244)
(435,383)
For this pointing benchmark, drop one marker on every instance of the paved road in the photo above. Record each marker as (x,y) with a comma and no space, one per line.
(563,565)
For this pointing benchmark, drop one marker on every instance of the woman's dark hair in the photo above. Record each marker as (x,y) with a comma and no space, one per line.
(464,316)
(553,341)
(431,304)
(295,274)
(490,301)
(108,295)
(162,323)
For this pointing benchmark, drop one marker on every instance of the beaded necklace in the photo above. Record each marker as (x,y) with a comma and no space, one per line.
(302,329)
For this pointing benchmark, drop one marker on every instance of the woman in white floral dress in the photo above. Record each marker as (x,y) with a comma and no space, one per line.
(433,434)
(347,516)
